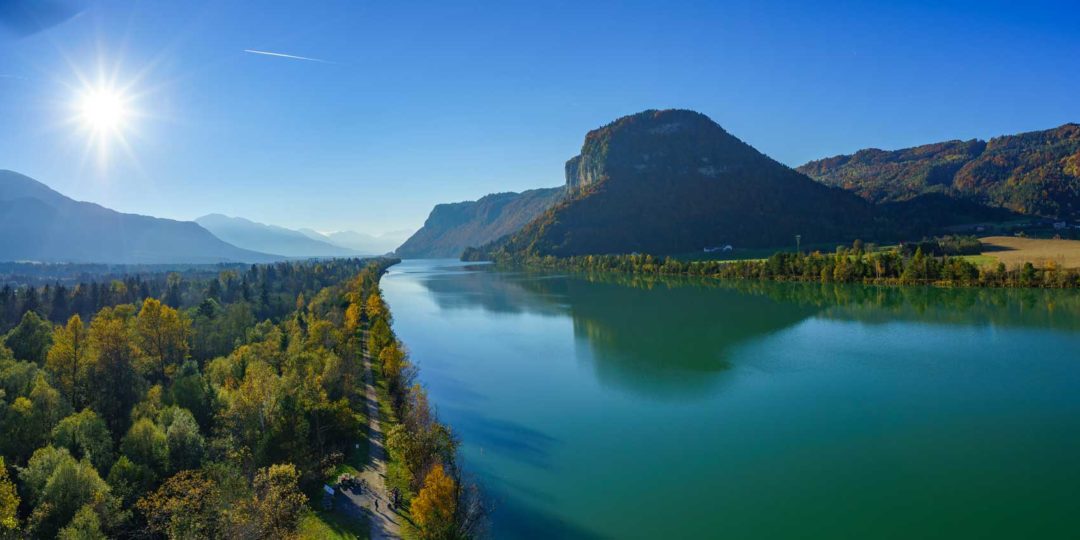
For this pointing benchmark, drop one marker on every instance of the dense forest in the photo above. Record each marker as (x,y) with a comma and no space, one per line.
(165,407)
(938,262)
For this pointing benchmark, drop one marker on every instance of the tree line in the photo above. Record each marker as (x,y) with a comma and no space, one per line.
(269,290)
(855,264)
(199,411)
(423,466)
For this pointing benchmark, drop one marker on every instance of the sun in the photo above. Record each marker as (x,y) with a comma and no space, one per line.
(103,111)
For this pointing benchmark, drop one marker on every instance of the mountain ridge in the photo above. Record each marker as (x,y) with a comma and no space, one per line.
(1034,172)
(38,223)
(673,182)
(450,228)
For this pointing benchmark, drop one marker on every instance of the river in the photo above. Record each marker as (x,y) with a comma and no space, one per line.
(608,406)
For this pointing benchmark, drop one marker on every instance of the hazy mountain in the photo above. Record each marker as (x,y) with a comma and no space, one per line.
(39,224)
(360,242)
(1035,173)
(270,238)
(452,227)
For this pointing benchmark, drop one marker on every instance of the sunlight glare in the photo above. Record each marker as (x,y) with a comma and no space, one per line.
(103,111)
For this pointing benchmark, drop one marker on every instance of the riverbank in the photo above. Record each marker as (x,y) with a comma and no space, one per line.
(418,489)
(892,266)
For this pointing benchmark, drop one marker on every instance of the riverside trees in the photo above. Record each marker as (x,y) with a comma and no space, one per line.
(180,416)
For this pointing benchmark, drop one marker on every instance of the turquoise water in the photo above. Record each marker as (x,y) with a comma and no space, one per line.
(612,407)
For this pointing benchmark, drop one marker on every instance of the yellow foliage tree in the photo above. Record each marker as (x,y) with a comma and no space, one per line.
(66,359)
(9,504)
(374,306)
(162,334)
(434,507)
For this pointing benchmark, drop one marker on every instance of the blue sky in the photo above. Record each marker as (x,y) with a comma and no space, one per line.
(420,103)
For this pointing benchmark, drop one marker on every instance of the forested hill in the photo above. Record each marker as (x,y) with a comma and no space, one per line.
(39,224)
(1030,173)
(674,181)
(450,228)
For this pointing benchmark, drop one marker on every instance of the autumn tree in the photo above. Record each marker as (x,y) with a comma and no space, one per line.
(9,504)
(435,507)
(275,508)
(66,360)
(187,505)
(162,334)
(112,382)
(374,307)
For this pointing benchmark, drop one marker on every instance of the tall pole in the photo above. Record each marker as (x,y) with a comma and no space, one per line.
(798,239)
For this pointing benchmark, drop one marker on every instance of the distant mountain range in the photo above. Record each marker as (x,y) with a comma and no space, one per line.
(360,242)
(39,224)
(270,238)
(450,228)
(1030,173)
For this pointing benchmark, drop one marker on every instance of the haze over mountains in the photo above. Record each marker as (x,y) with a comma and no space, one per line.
(39,224)
(361,242)
(270,238)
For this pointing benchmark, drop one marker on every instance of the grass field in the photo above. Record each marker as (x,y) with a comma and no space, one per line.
(319,525)
(1013,250)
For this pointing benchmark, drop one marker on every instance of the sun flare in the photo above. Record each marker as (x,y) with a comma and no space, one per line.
(103,111)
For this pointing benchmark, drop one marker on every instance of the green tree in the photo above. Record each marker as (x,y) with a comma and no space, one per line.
(129,480)
(185,444)
(85,435)
(30,339)
(191,391)
(59,487)
(146,444)
(86,525)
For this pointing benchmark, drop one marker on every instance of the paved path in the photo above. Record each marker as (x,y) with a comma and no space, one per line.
(384,522)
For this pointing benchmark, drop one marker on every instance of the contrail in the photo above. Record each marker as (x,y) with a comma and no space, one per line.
(293,56)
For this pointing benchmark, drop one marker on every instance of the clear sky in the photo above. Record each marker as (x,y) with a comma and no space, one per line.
(420,103)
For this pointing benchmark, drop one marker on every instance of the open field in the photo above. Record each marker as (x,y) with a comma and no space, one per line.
(1013,250)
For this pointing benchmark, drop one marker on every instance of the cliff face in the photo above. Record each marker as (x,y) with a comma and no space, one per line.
(674,182)
(450,228)
(1031,173)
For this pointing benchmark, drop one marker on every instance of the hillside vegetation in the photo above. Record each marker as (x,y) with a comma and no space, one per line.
(1029,173)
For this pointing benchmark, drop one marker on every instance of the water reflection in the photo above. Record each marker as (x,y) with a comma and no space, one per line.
(673,337)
